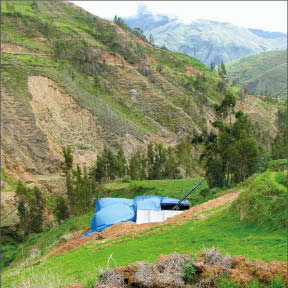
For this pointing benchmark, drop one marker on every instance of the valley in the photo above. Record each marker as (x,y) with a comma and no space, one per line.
(91,109)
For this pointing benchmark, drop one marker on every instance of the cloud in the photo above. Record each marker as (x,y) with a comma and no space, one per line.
(265,15)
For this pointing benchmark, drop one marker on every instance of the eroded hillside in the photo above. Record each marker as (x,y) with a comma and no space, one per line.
(71,78)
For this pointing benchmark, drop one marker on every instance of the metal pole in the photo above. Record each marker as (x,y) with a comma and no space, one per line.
(176,207)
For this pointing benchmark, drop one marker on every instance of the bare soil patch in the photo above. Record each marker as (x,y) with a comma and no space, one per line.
(13,48)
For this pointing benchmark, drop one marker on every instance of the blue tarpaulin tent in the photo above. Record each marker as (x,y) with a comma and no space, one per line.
(110,211)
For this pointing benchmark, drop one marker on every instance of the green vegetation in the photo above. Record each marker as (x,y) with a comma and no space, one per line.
(279,145)
(264,201)
(189,272)
(278,165)
(174,188)
(242,236)
(233,154)
(73,39)
(223,230)
(226,283)
(61,209)
(12,184)
(262,74)
(138,92)
(21,252)
(30,206)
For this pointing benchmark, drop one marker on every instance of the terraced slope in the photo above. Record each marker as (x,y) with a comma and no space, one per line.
(71,78)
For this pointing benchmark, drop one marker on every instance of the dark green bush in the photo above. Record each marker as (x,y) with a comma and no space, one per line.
(8,254)
(189,271)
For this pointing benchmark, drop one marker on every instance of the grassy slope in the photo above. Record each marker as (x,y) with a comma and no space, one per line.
(269,68)
(68,23)
(46,241)
(112,99)
(223,230)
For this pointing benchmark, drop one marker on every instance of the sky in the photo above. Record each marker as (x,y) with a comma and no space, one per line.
(265,15)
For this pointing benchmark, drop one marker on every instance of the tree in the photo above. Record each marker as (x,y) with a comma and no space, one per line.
(184,157)
(215,173)
(22,207)
(61,210)
(96,81)
(279,149)
(229,103)
(81,190)
(137,166)
(245,158)
(222,71)
(30,206)
(212,66)
(226,108)
(121,163)
(68,158)
(232,155)
(171,165)
(37,206)
(151,39)
(150,160)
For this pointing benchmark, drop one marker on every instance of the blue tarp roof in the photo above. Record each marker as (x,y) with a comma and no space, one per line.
(110,211)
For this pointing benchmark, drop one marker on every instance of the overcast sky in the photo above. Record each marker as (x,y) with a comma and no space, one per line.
(266,15)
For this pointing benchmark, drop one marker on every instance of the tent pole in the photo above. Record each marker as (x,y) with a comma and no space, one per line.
(176,207)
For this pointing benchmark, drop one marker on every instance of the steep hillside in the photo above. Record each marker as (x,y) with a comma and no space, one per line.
(71,78)
(208,41)
(262,74)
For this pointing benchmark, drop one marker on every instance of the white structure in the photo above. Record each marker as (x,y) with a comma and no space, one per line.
(147,216)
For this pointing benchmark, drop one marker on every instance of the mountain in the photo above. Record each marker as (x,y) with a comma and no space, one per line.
(71,78)
(208,41)
(263,74)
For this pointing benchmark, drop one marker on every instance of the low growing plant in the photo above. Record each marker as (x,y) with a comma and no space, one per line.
(189,271)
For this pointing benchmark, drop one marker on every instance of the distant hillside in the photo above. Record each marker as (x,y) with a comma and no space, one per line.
(208,41)
(262,74)
(71,78)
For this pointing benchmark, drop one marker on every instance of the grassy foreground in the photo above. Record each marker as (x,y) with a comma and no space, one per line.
(223,230)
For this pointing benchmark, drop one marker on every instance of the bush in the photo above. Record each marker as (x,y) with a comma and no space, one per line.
(61,210)
(189,272)
(281,178)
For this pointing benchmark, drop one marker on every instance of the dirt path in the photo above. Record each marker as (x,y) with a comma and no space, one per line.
(131,228)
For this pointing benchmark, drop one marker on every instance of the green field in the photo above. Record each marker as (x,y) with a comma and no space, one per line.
(223,230)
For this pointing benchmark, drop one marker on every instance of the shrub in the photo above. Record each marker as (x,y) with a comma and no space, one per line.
(8,254)
(61,210)
(281,178)
(189,271)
